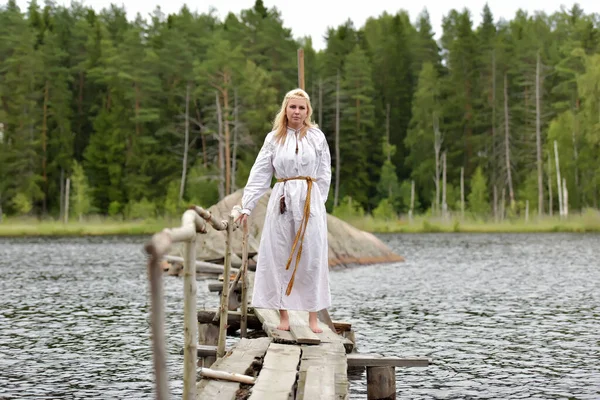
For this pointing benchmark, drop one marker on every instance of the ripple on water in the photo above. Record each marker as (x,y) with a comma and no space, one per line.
(502,316)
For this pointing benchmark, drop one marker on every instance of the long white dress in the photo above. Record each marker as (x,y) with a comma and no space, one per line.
(310,291)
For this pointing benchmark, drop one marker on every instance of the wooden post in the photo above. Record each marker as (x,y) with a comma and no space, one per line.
(526,210)
(225,293)
(244,272)
(190,318)
(208,334)
(381,383)
(301,68)
(157,319)
(66,219)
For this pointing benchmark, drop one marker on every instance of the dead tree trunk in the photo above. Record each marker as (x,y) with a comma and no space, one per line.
(494,138)
(462,192)
(495,203)
(412,201)
(538,136)
(186,143)
(511,193)
(550,202)
(221,150)
(321,103)
(337,142)
(444,204)
(235,140)
(437,146)
(558,182)
(62,196)
(226,80)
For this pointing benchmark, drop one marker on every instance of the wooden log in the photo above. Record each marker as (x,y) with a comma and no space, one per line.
(217,287)
(201,266)
(203,351)
(377,360)
(227,376)
(381,383)
(233,319)
(219,225)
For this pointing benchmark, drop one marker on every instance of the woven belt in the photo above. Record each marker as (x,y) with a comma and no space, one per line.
(302,230)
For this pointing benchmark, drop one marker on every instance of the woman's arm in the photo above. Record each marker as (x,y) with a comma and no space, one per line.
(260,177)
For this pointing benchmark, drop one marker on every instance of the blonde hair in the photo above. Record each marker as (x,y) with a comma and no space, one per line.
(280,123)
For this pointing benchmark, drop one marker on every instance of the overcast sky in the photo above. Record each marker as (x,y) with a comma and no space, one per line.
(312,17)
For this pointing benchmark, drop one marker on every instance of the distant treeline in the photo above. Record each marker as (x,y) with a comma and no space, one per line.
(137,118)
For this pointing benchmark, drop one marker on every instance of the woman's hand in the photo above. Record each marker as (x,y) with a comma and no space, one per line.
(242,219)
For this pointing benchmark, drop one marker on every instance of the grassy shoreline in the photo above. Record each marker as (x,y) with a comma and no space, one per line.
(30,227)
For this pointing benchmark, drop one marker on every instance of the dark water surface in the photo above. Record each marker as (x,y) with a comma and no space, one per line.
(502,316)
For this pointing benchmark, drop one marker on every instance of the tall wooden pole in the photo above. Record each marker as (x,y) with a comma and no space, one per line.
(301,68)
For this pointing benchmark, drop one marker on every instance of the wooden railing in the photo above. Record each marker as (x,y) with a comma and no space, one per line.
(194,221)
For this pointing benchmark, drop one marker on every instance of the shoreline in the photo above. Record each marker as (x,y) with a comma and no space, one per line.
(12,228)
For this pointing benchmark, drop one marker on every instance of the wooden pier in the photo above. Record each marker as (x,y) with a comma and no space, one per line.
(266,363)
(295,364)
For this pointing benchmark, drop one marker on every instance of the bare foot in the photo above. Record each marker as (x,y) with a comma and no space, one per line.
(284,320)
(315,327)
(313,322)
(284,326)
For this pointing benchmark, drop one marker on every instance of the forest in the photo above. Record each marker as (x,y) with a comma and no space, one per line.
(137,118)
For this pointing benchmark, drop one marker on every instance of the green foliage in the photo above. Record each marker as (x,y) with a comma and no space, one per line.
(478,198)
(80,200)
(384,210)
(172,206)
(22,204)
(142,209)
(388,186)
(348,209)
(202,187)
(114,208)
(126,99)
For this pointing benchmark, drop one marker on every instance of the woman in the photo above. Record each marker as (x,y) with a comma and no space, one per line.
(292,271)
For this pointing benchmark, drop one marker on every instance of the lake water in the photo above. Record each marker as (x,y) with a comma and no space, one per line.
(501,315)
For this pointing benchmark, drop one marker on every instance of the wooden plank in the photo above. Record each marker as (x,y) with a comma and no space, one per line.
(270,321)
(320,383)
(278,374)
(300,329)
(327,336)
(237,361)
(377,360)
(328,355)
(342,326)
